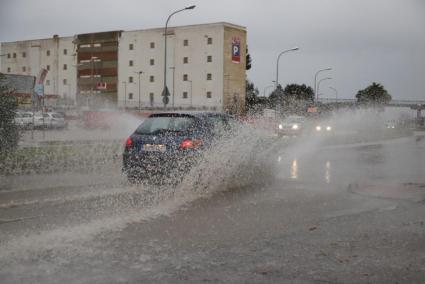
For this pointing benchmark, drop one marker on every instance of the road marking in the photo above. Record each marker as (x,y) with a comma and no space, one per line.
(5,221)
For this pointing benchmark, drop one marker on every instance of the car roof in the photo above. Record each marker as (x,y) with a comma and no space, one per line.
(198,114)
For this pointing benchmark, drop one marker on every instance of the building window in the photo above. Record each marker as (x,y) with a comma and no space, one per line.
(47,82)
(130,46)
(185,77)
(64,81)
(8,55)
(209,95)
(209,40)
(184,95)
(209,58)
(209,76)
(152,61)
(185,60)
(151,99)
(151,78)
(130,79)
(130,63)
(48,67)
(65,67)
(185,42)
(14,55)
(24,54)
(152,45)
(24,69)
(48,53)
(130,96)
(65,52)
(8,70)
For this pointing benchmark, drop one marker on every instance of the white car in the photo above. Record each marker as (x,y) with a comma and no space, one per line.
(24,119)
(324,127)
(49,120)
(291,125)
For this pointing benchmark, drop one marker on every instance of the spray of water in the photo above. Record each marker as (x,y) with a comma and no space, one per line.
(248,155)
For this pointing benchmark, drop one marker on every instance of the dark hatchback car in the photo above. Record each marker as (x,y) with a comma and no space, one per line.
(167,145)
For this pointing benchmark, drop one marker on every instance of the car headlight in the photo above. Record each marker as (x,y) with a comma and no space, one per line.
(295,126)
(318,128)
(280,126)
(328,128)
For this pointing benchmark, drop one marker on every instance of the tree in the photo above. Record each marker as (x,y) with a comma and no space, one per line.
(251,95)
(293,99)
(248,60)
(276,97)
(9,133)
(374,95)
(297,98)
(295,92)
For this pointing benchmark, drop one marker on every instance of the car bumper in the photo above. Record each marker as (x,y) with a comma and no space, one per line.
(146,165)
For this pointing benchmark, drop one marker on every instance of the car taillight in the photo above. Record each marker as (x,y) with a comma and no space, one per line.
(129,142)
(190,144)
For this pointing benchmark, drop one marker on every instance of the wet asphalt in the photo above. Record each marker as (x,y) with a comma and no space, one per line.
(321,214)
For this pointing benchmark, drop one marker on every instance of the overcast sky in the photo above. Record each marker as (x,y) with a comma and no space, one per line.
(362,40)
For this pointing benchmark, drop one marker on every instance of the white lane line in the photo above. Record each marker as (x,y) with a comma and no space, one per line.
(68,198)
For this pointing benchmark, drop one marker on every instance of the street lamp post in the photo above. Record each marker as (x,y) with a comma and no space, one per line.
(318,86)
(191,83)
(139,73)
(172,96)
(277,63)
(266,88)
(65,95)
(125,94)
(315,80)
(336,93)
(165,92)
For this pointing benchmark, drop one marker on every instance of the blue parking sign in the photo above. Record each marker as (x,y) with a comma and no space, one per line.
(236,50)
(39,89)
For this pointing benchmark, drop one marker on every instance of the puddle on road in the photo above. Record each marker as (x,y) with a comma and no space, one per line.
(414,192)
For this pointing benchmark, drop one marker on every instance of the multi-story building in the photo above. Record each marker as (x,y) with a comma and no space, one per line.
(56,55)
(205,67)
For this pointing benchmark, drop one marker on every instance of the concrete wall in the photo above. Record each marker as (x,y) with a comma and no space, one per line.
(234,73)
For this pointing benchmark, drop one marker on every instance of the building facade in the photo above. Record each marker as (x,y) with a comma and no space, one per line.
(125,69)
(56,55)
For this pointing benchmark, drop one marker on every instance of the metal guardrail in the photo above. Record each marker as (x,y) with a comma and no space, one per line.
(407,103)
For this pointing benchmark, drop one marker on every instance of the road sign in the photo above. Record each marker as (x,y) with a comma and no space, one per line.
(39,89)
(236,50)
(165,96)
(165,100)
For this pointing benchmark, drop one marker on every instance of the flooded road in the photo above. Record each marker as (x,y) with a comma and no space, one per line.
(332,214)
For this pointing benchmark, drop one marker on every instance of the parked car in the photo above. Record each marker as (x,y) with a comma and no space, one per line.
(24,119)
(167,145)
(291,125)
(49,120)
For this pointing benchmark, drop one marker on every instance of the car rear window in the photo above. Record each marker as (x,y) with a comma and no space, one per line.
(160,124)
